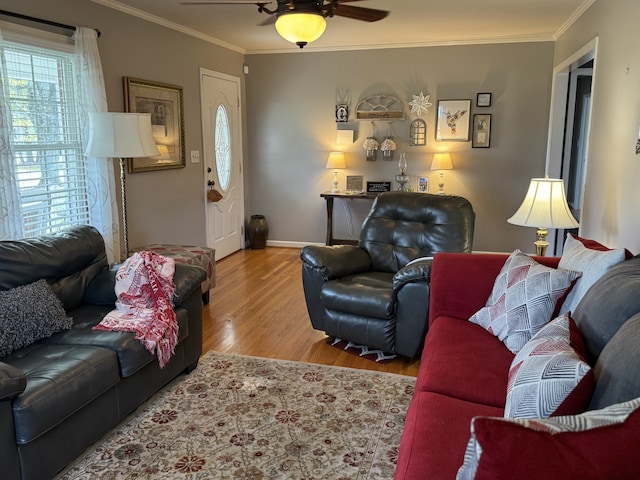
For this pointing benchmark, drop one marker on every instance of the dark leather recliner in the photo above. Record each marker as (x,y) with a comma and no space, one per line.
(377,293)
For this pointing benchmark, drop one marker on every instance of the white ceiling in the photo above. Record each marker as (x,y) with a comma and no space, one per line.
(409,23)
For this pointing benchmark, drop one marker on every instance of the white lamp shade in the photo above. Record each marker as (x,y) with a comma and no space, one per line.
(544,206)
(300,27)
(336,160)
(441,161)
(120,135)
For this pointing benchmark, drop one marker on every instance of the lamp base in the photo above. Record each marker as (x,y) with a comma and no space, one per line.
(541,242)
(335,182)
(441,184)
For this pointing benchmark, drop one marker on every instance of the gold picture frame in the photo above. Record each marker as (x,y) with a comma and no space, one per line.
(165,104)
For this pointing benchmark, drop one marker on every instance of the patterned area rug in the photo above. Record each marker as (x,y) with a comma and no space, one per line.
(361,350)
(239,417)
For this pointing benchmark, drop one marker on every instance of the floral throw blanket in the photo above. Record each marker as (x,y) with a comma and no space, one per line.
(144,287)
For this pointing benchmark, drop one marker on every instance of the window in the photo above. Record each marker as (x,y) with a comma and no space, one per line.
(45,136)
(223,147)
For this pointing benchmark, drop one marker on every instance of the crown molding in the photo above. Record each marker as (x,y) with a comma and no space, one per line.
(573,18)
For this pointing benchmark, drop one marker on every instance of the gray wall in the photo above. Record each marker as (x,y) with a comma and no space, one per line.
(291,128)
(612,194)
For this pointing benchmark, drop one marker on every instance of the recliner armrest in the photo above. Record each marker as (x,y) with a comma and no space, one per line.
(418,270)
(12,381)
(337,260)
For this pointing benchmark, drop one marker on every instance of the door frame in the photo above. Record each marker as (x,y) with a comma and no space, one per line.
(203,111)
(560,90)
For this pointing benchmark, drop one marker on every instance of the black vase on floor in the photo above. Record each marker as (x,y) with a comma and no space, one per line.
(258,232)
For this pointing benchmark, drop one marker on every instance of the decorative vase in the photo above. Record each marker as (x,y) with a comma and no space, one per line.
(258,230)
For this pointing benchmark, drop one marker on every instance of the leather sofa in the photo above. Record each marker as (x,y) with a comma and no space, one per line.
(376,293)
(464,375)
(61,394)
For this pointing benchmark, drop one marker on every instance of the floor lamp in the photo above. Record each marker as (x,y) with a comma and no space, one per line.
(121,135)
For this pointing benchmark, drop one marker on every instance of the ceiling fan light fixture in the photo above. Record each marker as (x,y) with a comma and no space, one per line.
(300,28)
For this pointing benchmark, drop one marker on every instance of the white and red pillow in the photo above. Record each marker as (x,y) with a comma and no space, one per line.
(523,299)
(594,445)
(549,375)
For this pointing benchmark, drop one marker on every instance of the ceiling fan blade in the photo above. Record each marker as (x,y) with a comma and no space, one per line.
(360,13)
(228,2)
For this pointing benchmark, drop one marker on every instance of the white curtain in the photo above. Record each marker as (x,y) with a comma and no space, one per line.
(10,210)
(100,173)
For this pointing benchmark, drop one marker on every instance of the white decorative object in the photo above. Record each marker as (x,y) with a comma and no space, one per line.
(420,103)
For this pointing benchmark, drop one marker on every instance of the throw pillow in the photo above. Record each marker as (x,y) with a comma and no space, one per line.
(29,313)
(523,299)
(593,263)
(548,377)
(593,445)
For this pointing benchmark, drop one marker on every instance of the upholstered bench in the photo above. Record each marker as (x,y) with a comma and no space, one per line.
(204,257)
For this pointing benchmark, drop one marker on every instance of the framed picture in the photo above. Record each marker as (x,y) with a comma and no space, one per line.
(355,184)
(453,120)
(165,104)
(483,100)
(423,184)
(481,130)
(378,187)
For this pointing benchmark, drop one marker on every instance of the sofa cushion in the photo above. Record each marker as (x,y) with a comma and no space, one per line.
(610,302)
(61,379)
(616,372)
(434,436)
(29,313)
(590,446)
(592,262)
(548,377)
(523,299)
(454,349)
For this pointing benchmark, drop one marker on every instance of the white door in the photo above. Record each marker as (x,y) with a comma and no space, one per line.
(222,143)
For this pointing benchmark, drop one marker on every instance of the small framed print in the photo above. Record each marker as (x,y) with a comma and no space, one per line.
(423,184)
(342,113)
(355,184)
(453,120)
(483,100)
(378,187)
(481,130)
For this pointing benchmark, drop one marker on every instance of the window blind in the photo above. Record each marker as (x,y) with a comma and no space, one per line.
(45,138)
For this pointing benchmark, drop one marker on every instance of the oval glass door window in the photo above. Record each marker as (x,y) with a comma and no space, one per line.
(223,147)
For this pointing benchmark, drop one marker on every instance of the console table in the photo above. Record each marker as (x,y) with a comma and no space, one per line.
(329,197)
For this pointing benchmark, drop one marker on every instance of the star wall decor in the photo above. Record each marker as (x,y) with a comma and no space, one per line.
(420,103)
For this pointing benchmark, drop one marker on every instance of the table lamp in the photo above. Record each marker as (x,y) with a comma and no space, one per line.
(121,135)
(544,206)
(336,160)
(441,161)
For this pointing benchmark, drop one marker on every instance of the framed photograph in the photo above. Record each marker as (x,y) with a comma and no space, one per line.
(378,187)
(165,104)
(423,184)
(483,100)
(481,130)
(355,184)
(453,120)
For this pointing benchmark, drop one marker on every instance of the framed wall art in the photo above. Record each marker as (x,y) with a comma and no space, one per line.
(481,130)
(483,100)
(165,104)
(453,120)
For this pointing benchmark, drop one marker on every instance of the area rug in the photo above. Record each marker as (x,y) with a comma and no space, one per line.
(239,417)
(363,351)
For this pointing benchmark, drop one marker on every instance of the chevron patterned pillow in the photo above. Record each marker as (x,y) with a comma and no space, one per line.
(547,376)
(591,446)
(523,299)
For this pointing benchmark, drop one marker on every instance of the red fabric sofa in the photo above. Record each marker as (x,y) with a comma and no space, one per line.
(464,369)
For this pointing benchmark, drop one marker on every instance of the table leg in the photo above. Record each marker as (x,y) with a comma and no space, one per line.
(329,240)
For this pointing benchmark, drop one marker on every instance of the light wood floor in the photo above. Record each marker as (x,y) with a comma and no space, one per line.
(257,308)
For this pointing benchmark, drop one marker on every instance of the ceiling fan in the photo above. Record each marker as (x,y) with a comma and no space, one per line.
(303,21)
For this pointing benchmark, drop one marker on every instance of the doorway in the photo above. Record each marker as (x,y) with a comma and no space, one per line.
(569,127)
(222,161)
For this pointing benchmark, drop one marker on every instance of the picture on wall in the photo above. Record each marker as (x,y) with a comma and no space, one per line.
(165,104)
(453,120)
(481,130)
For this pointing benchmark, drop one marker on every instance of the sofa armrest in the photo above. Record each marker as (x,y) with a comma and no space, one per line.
(186,278)
(12,381)
(335,261)
(462,282)
(418,270)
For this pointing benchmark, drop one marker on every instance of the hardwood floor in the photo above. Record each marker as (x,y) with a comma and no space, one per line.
(257,308)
